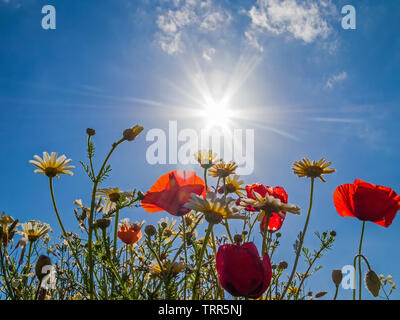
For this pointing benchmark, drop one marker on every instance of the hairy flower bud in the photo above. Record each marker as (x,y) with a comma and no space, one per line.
(102,223)
(337,277)
(90,132)
(333,233)
(150,230)
(237,238)
(164,224)
(131,133)
(283,265)
(372,282)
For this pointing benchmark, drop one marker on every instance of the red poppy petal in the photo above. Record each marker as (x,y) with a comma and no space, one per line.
(280,193)
(172,191)
(343,200)
(275,222)
(376,203)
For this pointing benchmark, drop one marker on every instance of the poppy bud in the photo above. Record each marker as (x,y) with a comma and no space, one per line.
(372,282)
(337,277)
(90,132)
(237,238)
(320,294)
(213,217)
(283,265)
(40,264)
(333,233)
(278,235)
(131,133)
(150,230)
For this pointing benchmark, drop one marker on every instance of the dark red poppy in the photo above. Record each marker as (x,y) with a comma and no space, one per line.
(172,191)
(275,221)
(241,271)
(367,202)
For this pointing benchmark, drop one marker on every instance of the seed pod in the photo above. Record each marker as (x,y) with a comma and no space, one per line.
(337,277)
(372,282)
(320,294)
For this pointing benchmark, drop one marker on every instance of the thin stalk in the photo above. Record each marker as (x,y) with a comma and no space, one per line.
(195,294)
(336,292)
(186,260)
(226,220)
(115,245)
(301,240)
(91,218)
(28,262)
(63,229)
(359,264)
(3,269)
(264,243)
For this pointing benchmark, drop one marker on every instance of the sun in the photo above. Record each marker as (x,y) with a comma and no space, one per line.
(216,114)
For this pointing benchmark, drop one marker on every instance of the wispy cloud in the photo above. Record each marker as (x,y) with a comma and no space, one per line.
(208,54)
(195,16)
(305,20)
(333,80)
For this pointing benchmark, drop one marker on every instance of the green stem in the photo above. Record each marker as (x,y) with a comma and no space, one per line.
(9,287)
(115,244)
(301,240)
(203,249)
(359,265)
(90,156)
(186,259)
(264,243)
(205,179)
(28,263)
(91,218)
(308,270)
(336,292)
(63,229)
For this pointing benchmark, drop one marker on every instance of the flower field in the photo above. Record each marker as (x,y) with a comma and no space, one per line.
(108,258)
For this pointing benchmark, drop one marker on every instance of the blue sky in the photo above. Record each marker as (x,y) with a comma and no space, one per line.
(305,85)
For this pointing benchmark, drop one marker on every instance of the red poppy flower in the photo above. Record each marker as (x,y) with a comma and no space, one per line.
(367,202)
(275,221)
(241,272)
(172,191)
(130,234)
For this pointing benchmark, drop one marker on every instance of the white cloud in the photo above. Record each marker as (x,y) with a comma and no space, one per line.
(208,54)
(184,15)
(252,39)
(302,19)
(335,79)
